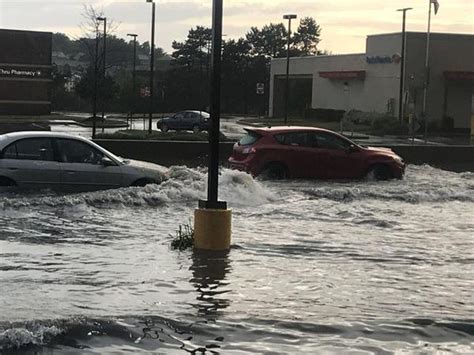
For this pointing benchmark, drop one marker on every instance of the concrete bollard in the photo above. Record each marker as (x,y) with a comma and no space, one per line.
(212,229)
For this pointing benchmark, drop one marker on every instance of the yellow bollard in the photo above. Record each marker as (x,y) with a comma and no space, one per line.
(212,229)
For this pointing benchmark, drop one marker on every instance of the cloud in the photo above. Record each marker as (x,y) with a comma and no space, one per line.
(345,23)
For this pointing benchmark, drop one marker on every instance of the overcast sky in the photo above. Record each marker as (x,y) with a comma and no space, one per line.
(345,23)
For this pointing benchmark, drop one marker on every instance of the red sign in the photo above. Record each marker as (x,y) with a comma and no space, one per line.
(346,74)
(459,75)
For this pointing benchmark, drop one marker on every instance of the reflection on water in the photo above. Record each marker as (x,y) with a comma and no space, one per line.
(209,270)
(315,267)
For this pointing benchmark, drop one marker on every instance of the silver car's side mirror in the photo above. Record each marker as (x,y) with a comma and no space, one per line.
(106,161)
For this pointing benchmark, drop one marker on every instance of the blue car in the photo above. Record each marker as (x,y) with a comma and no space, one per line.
(195,121)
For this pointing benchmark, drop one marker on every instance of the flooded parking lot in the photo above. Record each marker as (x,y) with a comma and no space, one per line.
(332,267)
(230,127)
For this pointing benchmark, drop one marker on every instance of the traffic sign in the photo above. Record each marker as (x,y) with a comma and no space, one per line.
(145,91)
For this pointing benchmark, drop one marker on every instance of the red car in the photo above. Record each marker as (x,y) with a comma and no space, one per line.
(308,152)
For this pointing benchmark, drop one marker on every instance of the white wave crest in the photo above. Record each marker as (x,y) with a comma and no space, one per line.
(18,337)
(184,185)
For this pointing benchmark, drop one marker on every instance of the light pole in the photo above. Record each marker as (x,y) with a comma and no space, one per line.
(152,64)
(287,88)
(104,19)
(212,220)
(94,104)
(134,89)
(402,66)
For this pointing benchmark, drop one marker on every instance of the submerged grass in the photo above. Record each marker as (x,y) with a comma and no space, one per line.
(183,238)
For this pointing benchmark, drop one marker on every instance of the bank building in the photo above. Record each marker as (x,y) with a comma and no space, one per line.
(370,81)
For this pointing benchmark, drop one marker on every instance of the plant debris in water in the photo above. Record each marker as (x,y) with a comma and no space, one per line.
(183,238)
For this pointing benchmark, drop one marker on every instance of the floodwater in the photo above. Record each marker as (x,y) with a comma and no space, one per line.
(315,267)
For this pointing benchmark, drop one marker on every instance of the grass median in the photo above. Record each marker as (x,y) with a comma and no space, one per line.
(157,135)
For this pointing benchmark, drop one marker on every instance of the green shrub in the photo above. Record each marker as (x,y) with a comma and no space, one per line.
(323,114)
(388,125)
(183,238)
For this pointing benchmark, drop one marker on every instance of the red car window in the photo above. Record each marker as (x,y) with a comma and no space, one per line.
(330,141)
(293,138)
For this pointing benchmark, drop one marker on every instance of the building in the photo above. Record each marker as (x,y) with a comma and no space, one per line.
(25,72)
(70,64)
(370,81)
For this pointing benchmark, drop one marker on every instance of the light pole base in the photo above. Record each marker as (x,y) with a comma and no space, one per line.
(212,229)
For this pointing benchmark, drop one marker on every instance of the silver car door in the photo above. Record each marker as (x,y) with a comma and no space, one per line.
(82,168)
(30,162)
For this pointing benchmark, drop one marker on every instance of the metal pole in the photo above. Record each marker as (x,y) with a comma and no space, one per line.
(133,74)
(94,105)
(103,74)
(402,68)
(287,86)
(215,100)
(427,74)
(152,64)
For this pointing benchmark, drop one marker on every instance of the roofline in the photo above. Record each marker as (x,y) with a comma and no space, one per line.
(423,34)
(25,31)
(321,56)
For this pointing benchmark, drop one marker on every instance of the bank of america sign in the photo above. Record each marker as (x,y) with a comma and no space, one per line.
(384,59)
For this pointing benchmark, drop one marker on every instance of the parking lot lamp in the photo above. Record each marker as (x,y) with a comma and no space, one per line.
(212,220)
(152,64)
(134,92)
(402,67)
(103,19)
(94,101)
(287,87)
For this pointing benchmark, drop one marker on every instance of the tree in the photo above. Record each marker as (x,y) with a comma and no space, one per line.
(85,87)
(195,47)
(306,38)
(270,41)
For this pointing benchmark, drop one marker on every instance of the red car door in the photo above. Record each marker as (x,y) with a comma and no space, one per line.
(301,156)
(342,162)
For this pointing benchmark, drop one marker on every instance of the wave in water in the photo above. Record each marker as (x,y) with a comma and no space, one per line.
(184,185)
(422,184)
(244,335)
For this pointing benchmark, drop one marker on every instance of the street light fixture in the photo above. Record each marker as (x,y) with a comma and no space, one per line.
(134,92)
(402,66)
(103,19)
(152,63)
(288,17)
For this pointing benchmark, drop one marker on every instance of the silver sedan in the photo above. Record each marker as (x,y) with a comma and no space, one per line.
(39,160)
